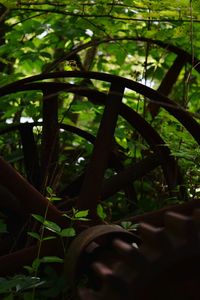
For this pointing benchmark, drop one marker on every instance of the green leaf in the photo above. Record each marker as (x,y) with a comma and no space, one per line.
(81,214)
(51,259)
(35,235)
(17,283)
(80,219)
(49,190)
(52,226)
(55,199)
(9,3)
(52,237)
(68,232)
(126,224)
(100,212)
(120,56)
(28,282)
(129,225)
(36,263)
(38,218)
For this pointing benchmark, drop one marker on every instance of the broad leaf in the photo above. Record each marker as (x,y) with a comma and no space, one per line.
(68,232)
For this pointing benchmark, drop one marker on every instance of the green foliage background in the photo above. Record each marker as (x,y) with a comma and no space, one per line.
(126,38)
(107,36)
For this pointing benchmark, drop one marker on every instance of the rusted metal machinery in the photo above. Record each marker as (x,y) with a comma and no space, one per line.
(161,262)
(162,255)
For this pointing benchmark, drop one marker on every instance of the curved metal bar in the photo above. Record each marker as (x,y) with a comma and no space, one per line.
(29,197)
(114,161)
(149,134)
(172,107)
(130,174)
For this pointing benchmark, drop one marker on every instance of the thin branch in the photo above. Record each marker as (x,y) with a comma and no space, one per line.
(81,4)
(107,16)
(95,42)
(111,7)
(96,26)
(42,3)
(29,18)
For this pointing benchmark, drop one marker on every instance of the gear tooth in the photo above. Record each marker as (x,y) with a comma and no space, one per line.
(131,255)
(102,270)
(164,255)
(113,282)
(91,247)
(181,229)
(150,233)
(155,243)
(109,281)
(122,247)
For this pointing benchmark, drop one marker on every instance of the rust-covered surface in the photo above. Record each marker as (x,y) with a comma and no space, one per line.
(167,252)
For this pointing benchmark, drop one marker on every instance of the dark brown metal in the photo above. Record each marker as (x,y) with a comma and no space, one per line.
(92,185)
(183,116)
(75,260)
(164,266)
(30,198)
(133,172)
(50,139)
(167,250)
(170,167)
(31,157)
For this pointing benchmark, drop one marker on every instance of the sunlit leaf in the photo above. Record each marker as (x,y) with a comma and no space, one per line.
(68,232)
(52,226)
(81,214)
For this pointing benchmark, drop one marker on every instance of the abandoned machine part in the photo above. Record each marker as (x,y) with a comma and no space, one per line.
(158,260)
(163,264)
